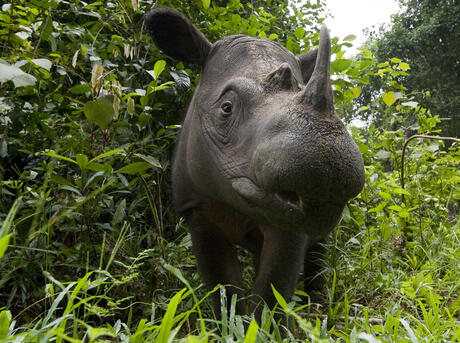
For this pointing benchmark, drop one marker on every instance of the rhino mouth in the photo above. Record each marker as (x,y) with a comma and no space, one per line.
(289,210)
(291,197)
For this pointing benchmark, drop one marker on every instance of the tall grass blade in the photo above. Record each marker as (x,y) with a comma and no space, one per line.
(168,319)
(251,334)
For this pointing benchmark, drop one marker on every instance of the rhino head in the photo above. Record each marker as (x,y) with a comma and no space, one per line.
(261,133)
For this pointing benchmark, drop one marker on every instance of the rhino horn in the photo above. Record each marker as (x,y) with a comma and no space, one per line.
(318,91)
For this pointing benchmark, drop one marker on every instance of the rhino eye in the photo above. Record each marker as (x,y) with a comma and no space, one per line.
(226,108)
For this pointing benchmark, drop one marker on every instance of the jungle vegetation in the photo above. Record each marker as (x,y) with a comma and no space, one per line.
(90,248)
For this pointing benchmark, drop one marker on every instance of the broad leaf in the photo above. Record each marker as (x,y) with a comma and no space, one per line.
(279,298)
(135,168)
(82,161)
(349,38)
(251,334)
(206,4)
(80,89)
(19,78)
(5,320)
(100,111)
(158,68)
(389,98)
(43,63)
(404,66)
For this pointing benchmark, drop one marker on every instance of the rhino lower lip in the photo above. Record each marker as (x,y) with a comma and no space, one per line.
(271,205)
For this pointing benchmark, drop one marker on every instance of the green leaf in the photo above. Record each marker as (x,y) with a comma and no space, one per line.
(299,32)
(107,154)
(99,167)
(206,4)
(279,298)
(82,161)
(168,319)
(385,195)
(9,218)
(383,155)
(135,168)
(410,103)
(150,159)
(5,320)
(389,98)
(158,68)
(399,190)
(95,333)
(19,78)
(404,66)
(52,153)
(42,63)
(341,65)
(251,334)
(4,245)
(181,78)
(61,180)
(356,91)
(367,54)
(100,111)
(80,89)
(349,38)
(396,60)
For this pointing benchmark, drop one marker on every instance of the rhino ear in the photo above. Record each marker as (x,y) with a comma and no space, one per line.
(307,64)
(176,36)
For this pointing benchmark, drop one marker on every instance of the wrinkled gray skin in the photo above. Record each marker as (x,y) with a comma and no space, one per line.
(262,161)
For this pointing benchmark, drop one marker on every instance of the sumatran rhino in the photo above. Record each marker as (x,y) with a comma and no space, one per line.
(262,160)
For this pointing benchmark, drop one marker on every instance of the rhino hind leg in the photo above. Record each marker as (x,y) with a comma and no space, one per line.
(218,264)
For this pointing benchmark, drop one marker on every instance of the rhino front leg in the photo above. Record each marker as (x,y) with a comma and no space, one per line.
(314,266)
(218,264)
(281,261)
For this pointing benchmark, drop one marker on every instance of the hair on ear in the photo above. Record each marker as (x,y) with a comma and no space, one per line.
(175,35)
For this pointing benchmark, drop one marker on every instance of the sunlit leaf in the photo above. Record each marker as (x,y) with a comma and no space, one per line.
(5,320)
(43,63)
(404,66)
(279,298)
(389,98)
(299,32)
(251,333)
(16,75)
(206,4)
(349,38)
(158,68)
(4,244)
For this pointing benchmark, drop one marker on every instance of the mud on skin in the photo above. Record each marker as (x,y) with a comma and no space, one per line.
(262,161)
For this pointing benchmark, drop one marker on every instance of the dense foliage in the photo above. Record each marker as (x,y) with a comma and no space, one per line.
(426,34)
(90,247)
